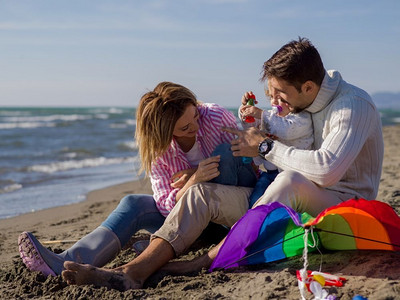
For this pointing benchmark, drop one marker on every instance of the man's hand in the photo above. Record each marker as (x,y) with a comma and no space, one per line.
(247,141)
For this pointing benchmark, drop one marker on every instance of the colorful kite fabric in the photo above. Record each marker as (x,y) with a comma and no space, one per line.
(358,224)
(267,232)
(274,231)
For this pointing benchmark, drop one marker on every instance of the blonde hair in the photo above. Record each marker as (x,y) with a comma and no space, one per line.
(156,117)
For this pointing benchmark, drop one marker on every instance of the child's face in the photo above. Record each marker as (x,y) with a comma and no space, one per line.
(277,101)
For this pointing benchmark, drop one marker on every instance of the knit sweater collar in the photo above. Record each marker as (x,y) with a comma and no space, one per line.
(326,92)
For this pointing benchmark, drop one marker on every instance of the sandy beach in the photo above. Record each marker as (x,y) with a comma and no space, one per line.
(371,274)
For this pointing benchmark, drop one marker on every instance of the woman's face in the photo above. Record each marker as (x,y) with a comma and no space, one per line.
(187,125)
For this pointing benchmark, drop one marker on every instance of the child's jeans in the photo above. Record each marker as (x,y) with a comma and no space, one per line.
(263,182)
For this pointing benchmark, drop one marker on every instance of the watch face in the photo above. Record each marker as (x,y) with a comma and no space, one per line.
(264,147)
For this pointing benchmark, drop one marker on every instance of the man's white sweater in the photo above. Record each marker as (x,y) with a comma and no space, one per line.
(348,141)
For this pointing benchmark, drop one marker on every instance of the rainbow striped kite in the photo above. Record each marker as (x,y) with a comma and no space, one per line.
(272,232)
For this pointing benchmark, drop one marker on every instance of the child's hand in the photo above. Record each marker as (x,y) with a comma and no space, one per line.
(249,110)
(246,97)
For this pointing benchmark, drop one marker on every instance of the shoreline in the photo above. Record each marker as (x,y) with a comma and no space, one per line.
(93,210)
(372,274)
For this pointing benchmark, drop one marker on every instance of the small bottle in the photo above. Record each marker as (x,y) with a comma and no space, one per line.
(276,109)
(247,160)
(250,101)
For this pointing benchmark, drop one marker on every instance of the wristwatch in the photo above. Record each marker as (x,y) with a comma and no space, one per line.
(265,146)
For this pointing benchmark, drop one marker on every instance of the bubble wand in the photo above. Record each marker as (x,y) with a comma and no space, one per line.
(250,101)
(249,119)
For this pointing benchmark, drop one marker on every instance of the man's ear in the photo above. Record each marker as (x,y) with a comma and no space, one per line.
(309,87)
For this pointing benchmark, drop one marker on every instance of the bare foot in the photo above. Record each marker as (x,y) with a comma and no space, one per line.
(79,274)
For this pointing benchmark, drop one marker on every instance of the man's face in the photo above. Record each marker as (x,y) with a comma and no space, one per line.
(281,90)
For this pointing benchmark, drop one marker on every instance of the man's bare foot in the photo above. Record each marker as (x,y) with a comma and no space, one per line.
(79,274)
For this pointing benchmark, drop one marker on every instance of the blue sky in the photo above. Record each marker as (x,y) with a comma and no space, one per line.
(108,53)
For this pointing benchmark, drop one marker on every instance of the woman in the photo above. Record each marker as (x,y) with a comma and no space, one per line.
(180,144)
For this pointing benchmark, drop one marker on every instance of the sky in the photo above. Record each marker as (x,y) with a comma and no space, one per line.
(109,53)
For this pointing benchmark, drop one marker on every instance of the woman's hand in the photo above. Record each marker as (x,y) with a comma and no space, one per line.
(207,169)
(180,178)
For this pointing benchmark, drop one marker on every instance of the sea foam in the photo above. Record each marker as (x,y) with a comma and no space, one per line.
(10,188)
(26,125)
(78,164)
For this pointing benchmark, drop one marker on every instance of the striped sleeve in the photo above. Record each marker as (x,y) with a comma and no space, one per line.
(220,117)
(163,193)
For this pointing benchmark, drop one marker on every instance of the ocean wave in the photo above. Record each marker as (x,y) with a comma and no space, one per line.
(118,126)
(114,110)
(71,155)
(110,110)
(14,113)
(10,188)
(26,125)
(131,122)
(102,116)
(124,124)
(51,118)
(78,164)
(131,145)
(396,120)
(72,152)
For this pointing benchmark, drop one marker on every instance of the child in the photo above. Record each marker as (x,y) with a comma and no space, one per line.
(292,129)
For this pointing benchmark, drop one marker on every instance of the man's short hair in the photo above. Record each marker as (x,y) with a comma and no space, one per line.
(296,62)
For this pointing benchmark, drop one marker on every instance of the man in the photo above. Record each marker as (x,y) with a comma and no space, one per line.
(345,162)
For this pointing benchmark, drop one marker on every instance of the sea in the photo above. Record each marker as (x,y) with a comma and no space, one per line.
(54,156)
